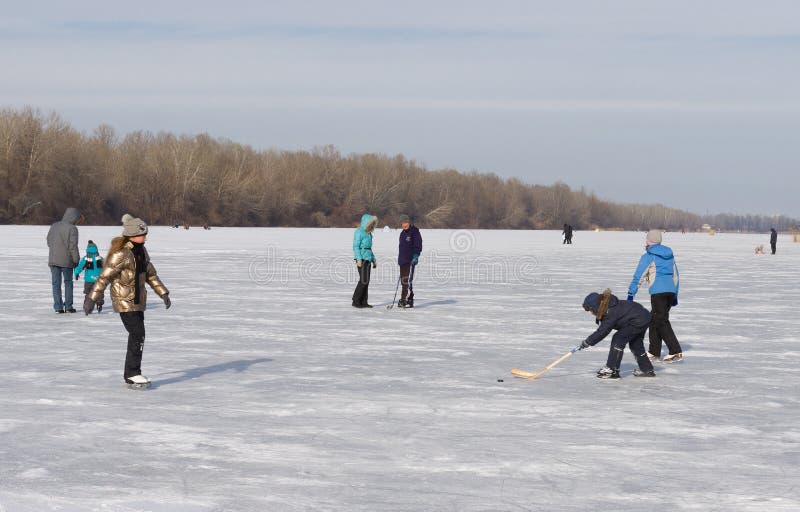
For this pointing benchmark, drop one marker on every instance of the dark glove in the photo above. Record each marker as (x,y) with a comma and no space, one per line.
(374,263)
(675,302)
(584,344)
(77,277)
(358,263)
(415,259)
(630,297)
(166,300)
(88,305)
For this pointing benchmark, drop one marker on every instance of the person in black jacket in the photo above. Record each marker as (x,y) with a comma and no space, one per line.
(408,257)
(773,240)
(631,320)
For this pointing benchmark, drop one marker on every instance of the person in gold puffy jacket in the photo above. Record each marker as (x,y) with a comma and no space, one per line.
(126,270)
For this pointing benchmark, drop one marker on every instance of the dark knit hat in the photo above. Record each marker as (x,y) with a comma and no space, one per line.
(133,226)
(404,218)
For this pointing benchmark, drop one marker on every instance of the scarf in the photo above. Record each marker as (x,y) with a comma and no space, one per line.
(140,257)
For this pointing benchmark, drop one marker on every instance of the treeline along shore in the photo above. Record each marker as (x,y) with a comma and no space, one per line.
(47,165)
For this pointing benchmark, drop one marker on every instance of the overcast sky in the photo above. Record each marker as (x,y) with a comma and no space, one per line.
(691,104)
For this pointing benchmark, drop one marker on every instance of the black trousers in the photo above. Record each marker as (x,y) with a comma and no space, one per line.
(134,324)
(361,293)
(660,327)
(774,246)
(633,337)
(407,282)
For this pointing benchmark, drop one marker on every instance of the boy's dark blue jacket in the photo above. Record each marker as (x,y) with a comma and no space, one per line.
(620,314)
(410,244)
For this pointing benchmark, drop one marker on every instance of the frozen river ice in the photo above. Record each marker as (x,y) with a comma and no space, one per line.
(271,393)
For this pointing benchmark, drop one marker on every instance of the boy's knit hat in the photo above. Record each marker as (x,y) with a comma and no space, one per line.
(404,218)
(133,226)
(654,236)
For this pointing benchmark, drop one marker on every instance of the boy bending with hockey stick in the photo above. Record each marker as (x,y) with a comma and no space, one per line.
(631,320)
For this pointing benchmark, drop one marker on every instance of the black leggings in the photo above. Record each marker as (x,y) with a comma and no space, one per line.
(134,324)
(361,293)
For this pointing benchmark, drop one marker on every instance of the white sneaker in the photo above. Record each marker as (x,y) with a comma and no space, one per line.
(673,358)
(138,379)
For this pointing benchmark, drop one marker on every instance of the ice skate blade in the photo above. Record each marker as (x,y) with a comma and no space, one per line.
(138,387)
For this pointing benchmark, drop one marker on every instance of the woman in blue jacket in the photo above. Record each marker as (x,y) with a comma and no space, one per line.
(365,259)
(658,270)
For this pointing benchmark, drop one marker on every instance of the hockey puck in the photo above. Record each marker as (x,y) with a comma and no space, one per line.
(499,380)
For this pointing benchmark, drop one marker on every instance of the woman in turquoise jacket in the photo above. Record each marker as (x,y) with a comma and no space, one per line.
(92,265)
(364,257)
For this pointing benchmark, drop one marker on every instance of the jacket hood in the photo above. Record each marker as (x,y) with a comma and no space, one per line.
(662,251)
(71,215)
(592,301)
(368,219)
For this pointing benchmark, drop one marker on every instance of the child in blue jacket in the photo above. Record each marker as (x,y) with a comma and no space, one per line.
(92,265)
(658,271)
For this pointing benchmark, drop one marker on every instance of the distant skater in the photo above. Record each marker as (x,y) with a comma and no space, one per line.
(658,270)
(408,257)
(773,240)
(127,269)
(631,320)
(364,258)
(567,234)
(91,265)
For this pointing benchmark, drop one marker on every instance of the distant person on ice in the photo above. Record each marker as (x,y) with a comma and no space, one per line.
(127,268)
(658,270)
(62,241)
(630,319)
(773,240)
(365,259)
(567,234)
(91,265)
(408,257)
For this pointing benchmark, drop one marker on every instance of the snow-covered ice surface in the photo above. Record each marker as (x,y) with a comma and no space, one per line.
(271,393)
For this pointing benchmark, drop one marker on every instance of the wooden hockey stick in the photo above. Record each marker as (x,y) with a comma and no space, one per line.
(533,375)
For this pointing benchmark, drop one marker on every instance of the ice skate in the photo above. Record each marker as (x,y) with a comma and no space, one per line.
(642,373)
(607,373)
(137,382)
(674,358)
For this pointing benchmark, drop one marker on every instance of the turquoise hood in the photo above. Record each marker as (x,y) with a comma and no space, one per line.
(362,239)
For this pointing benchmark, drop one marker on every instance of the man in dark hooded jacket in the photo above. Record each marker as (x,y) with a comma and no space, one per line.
(630,319)
(62,240)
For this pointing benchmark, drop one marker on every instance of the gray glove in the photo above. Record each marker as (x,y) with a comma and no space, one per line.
(583,345)
(359,262)
(166,300)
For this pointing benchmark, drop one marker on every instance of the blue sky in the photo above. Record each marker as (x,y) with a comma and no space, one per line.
(691,104)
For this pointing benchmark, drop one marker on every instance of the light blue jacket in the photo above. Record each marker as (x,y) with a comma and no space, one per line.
(658,269)
(92,263)
(362,240)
